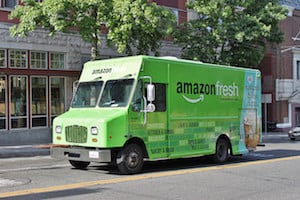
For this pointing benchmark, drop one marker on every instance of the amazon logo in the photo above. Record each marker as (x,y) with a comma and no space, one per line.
(200,90)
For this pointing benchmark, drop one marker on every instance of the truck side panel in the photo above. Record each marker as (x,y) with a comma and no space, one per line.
(206,103)
(203,102)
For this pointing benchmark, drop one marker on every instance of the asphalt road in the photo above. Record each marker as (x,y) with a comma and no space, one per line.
(271,172)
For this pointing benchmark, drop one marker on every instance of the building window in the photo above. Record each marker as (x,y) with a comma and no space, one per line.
(57,96)
(17,58)
(9,3)
(3,103)
(2,58)
(298,70)
(39,101)
(57,61)
(18,102)
(38,60)
(176,13)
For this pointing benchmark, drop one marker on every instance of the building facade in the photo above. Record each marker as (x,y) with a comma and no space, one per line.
(37,75)
(281,73)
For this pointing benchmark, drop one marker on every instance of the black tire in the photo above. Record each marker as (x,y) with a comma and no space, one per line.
(222,149)
(130,159)
(293,139)
(79,164)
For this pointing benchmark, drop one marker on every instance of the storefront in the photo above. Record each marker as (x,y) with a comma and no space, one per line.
(36,82)
(31,98)
(35,87)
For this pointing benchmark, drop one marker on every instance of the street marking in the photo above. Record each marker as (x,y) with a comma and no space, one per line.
(8,182)
(140,177)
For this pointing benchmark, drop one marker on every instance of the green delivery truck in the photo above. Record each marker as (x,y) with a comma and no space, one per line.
(128,110)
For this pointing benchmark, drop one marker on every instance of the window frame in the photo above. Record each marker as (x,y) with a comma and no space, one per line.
(4,57)
(11,117)
(52,116)
(5,104)
(38,60)
(26,58)
(297,70)
(50,60)
(176,14)
(3,4)
(31,103)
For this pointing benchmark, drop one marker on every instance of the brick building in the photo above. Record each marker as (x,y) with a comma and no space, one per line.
(37,74)
(281,72)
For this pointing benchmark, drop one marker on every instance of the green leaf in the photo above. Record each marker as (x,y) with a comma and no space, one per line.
(231,32)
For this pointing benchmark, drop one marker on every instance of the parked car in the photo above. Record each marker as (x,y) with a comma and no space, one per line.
(294,132)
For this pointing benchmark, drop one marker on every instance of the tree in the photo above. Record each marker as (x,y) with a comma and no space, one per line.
(88,16)
(231,32)
(138,24)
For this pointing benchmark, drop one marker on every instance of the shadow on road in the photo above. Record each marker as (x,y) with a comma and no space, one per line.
(205,161)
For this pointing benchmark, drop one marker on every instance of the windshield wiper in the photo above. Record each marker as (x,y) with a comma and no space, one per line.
(109,103)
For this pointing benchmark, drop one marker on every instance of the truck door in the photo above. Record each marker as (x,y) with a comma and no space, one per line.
(151,126)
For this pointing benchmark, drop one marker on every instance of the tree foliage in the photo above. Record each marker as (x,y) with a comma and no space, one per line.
(128,26)
(136,23)
(232,32)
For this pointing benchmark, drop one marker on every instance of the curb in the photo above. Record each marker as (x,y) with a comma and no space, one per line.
(23,151)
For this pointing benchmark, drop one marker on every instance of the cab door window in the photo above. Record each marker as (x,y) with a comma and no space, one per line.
(160,97)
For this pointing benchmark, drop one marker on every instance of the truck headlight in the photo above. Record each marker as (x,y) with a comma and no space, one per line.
(58,129)
(94,130)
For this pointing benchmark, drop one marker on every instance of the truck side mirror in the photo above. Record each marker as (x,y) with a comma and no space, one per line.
(75,86)
(150,92)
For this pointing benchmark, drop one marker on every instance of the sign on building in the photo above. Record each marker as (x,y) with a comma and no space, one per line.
(284,89)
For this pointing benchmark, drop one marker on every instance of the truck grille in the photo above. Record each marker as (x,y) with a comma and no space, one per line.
(76,134)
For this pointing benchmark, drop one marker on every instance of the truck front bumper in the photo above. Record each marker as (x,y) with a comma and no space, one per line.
(81,154)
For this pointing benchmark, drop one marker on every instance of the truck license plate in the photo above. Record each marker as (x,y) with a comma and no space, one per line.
(94,154)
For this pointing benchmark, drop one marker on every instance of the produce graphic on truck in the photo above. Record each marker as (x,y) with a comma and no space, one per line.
(128,110)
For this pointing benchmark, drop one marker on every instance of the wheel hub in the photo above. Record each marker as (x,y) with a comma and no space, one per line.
(132,159)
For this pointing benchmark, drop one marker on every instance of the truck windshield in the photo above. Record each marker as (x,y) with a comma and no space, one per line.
(87,94)
(116,93)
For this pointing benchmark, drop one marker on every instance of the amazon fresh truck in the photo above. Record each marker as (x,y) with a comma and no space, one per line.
(132,109)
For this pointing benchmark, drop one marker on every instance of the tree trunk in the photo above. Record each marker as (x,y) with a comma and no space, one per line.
(95,38)
(94,48)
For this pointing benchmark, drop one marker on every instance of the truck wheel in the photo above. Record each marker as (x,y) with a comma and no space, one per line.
(222,149)
(130,160)
(79,164)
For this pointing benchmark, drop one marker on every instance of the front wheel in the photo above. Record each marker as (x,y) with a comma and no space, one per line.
(130,160)
(79,164)
(222,149)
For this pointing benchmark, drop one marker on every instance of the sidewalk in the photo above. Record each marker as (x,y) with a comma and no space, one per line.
(274,137)
(24,151)
(44,150)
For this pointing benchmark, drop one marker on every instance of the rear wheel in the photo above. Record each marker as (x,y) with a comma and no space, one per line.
(130,160)
(222,149)
(79,164)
